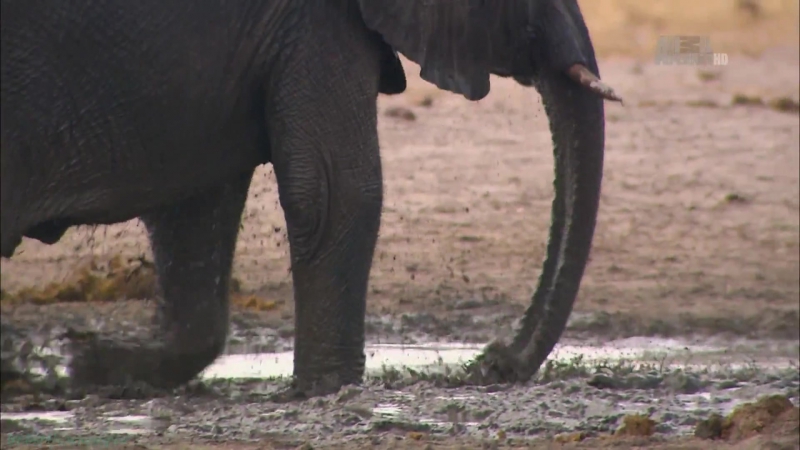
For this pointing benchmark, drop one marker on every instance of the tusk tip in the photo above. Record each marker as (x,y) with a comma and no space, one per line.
(581,75)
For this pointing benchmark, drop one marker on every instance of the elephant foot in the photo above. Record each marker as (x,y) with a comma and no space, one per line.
(102,360)
(11,377)
(304,387)
(287,394)
(24,370)
(497,364)
(10,353)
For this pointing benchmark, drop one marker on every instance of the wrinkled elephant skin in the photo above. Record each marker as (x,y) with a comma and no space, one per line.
(116,109)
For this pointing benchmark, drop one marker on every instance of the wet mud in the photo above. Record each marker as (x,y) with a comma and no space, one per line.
(419,393)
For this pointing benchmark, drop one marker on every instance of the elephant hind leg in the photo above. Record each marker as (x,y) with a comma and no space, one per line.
(10,228)
(48,232)
(8,242)
(193,244)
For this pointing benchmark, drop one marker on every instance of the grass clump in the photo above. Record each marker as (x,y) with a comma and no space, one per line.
(708,75)
(785,104)
(702,103)
(780,104)
(636,425)
(747,100)
(568,438)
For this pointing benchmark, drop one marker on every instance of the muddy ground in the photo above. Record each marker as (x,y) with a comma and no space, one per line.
(698,238)
(664,400)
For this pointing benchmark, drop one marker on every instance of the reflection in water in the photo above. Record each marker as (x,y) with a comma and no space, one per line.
(49,416)
(268,365)
(389,410)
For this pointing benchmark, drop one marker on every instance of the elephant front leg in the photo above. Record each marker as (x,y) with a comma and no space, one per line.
(330,185)
(193,244)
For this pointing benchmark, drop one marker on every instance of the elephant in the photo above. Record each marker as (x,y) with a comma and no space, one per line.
(114,110)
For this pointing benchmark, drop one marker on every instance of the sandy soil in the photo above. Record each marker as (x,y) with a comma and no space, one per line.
(699,231)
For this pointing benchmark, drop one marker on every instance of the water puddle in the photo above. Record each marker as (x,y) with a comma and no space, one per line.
(379,357)
(57,417)
(130,425)
(437,356)
(64,421)
(388,410)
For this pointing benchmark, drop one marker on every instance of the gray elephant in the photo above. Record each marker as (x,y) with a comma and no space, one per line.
(162,110)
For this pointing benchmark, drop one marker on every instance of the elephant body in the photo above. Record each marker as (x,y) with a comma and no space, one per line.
(113,110)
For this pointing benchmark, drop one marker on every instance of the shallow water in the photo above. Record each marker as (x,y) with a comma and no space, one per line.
(435,356)
(379,356)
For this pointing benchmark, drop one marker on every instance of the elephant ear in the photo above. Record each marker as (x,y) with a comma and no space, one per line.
(449,39)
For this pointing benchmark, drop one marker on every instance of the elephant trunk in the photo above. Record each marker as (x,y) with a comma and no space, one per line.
(573,101)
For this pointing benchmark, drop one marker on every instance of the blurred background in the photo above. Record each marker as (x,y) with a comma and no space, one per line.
(632,27)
